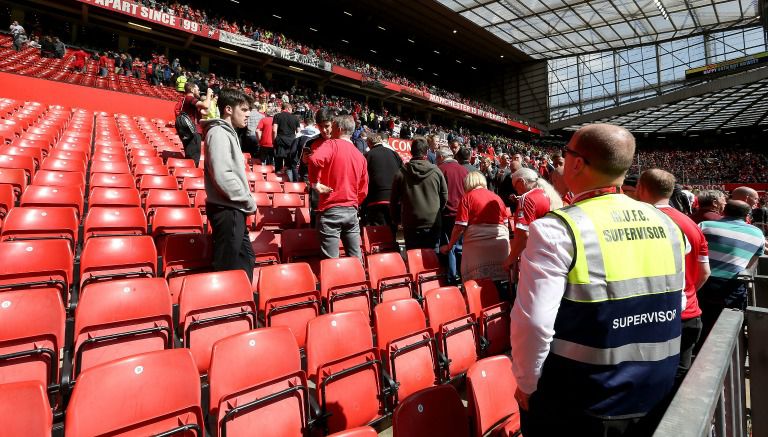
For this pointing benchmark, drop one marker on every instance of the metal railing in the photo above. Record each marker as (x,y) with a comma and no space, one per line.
(712,399)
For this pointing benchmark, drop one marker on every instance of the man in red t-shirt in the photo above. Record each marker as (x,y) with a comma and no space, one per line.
(80,59)
(192,105)
(264,132)
(655,187)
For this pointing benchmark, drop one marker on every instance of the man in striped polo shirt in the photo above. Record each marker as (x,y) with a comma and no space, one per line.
(734,246)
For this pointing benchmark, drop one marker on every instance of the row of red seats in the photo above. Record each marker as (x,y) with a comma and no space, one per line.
(273,397)
(28,62)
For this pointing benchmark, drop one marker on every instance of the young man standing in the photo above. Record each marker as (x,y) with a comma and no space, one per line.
(192,105)
(226,185)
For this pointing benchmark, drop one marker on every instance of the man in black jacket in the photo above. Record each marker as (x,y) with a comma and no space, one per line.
(383,165)
(419,194)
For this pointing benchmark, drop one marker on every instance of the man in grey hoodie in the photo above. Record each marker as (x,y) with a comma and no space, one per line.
(419,194)
(229,200)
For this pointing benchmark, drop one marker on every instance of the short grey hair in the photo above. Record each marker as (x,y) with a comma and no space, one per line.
(346,124)
(445,152)
(708,197)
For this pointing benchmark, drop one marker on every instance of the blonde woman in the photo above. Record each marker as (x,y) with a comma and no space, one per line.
(481,218)
(537,197)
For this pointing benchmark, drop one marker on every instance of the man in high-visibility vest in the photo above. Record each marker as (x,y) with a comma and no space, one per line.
(596,323)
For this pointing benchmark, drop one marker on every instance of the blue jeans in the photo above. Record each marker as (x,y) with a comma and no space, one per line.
(454,255)
(339,222)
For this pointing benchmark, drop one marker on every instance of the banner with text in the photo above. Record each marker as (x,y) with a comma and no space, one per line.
(148,14)
(270,50)
(402,147)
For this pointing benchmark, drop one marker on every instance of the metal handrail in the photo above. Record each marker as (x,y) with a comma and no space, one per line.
(710,401)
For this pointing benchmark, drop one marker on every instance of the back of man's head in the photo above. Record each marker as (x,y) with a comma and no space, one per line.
(656,184)
(419,148)
(346,125)
(708,198)
(736,209)
(445,153)
(609,149)
(231,97)
(287,106)
(463,155)
(325,114)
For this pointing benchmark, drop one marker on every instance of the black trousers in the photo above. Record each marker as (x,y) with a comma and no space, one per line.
(192,148)
(424,238)
(688,339)
(232,248)
(377,215)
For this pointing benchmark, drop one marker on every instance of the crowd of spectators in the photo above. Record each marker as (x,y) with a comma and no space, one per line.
(278,39)
(706,166)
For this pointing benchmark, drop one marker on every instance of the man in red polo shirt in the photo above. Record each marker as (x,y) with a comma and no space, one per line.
(655,187)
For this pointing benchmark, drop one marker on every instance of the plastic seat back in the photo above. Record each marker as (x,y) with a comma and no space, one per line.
(7,201)
(165,198)
(36,264)
(108,258)
(388,276)
(25,409)
(114,167)
(432,411)
(283,200)
(66,165)
(267,187)
(147,394)
(114,197)
(288,296)
(378,239)
(278,373)
(148,182)
(16,178)
(425,267)
(53,178)
(302,245)
(47,196)
(31,336)
(171,220)
(213,306)
(406,345)
(343,286)
(454,328)
(276,219)
(183,255)
(106,221)
(26,163)
(112,180)
(343,364)
(488,383)
(120,318)
(491,313)
(28,223)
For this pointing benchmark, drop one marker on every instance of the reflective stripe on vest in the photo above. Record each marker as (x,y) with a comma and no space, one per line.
(613,237)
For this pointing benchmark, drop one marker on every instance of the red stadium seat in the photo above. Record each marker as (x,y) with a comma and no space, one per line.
(76,155)
(343,286)
(454,329)
(31,336)
(54,178)
(288,296)
(25,163)
(362,431)
(266,248)
(68,165)
(151,165)
(143,170)
(119,167)
(114,197)
(110,221)
(112,180)
(432,411)
(267,187)
(489,381)
(28,223)
(148,394)
(7,201)
(287,201)
(149,182)
(121,318)
(25,409)
(168,220)
(273,177)
(295,187)
(35,153)
(427,272)
(378,239)
(45,196)
(271,396)
(183,255)
(16,178)
(275,219)
(178,163)
(213,306)
(491,313)
(185,173)
(406,345)
(262,200)
(109,258)
(302,245)
(157,198)
(264,169)
(388,276)
(336,344)
(38,264)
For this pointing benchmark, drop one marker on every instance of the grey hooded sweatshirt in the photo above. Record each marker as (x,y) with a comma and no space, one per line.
(226,183)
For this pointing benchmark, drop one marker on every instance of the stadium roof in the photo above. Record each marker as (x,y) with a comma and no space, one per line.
(739,106)
(554,28)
